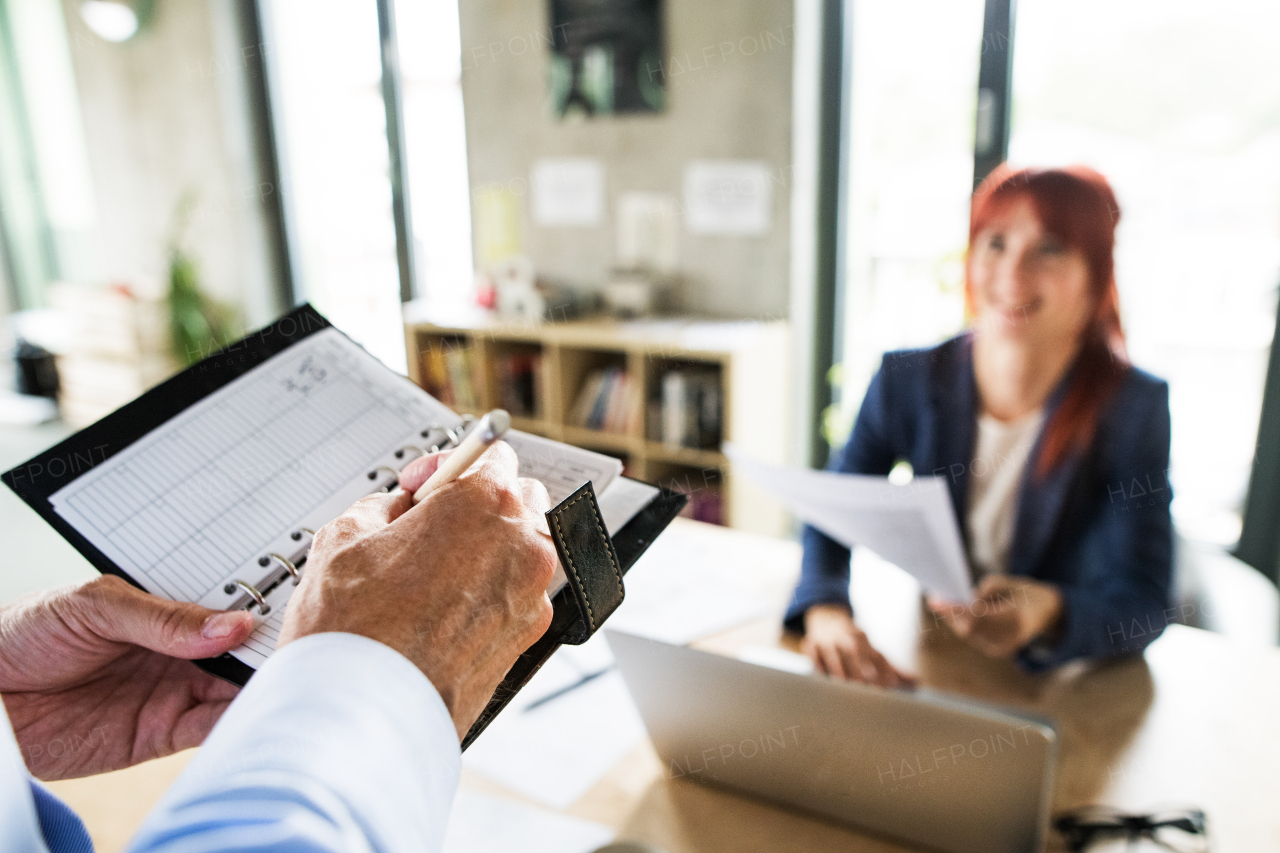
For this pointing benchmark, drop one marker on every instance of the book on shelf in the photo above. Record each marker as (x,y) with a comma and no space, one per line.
(450,375)
(606,401)
(520,383)
(688,411)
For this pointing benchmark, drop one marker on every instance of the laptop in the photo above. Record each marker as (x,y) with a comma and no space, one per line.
(920,767)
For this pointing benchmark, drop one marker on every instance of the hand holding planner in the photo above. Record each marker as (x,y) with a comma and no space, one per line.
(456,583)
(94,679)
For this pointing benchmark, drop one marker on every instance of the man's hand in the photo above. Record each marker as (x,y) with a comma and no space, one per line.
(91,679)
(1005,615)
(457,583)
(839,648)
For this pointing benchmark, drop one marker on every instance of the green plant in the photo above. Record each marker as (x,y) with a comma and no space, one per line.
(198,325)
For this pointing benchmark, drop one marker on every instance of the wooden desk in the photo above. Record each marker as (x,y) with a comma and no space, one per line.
(1196,721)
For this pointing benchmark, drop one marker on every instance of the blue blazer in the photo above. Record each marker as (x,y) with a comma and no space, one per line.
(1097,526)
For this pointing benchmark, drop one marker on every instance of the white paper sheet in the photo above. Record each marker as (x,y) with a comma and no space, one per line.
(622,500)
(483,823)
(912,526)
(568,192)
(555,753)
(731,197)
(681,590)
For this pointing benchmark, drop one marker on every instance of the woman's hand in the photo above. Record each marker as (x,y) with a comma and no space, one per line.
(92,679)
(839,648)
(1005,615)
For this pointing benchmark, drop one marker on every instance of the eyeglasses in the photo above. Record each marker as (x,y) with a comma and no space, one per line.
(1180,831)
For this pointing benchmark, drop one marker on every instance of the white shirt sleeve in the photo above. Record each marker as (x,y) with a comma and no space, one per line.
(338,744)
(19,825)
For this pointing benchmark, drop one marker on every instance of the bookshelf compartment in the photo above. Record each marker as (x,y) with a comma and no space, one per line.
(451,369)
(685,404)
(602,392)
(518,379)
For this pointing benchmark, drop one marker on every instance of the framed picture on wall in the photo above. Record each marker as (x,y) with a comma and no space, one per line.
(606,57)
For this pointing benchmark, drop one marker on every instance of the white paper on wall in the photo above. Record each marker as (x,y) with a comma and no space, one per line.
(733,197)
(648,231)
(568,192)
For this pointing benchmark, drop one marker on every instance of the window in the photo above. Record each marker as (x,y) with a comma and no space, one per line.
(911,175)
(327,71)
(1178,104)
(436,149)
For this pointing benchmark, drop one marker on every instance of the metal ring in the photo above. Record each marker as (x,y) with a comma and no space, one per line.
(373,475)
(400,452)
(289,567)
(452,434)
(255,595)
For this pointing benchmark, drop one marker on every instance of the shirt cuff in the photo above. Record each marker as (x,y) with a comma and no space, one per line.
(338,738)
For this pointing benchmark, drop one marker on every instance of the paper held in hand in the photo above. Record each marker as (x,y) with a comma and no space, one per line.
(912,526)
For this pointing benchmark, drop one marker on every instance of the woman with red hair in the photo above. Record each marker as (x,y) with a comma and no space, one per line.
(1054,447)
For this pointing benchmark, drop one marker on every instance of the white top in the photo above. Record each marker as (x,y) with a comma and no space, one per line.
(994,477)
(338,745)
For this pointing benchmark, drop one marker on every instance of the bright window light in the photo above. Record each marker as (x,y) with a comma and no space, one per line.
(111,21)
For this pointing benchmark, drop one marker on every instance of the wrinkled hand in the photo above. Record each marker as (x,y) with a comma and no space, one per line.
(1005,615)
(839,648)
(92,679)
(457,583)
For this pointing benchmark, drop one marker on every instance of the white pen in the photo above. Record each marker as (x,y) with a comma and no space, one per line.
(491,428)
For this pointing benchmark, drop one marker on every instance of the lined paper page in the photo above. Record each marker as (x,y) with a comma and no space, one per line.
(562,468)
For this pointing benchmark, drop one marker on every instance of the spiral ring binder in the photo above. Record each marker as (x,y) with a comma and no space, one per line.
(454,436)
(258,592)
(288,566)
(253,593)
(373,475)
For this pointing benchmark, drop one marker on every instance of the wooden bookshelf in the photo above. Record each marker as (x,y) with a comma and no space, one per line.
(752,359)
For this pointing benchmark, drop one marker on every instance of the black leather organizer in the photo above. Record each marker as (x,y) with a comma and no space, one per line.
(594,563)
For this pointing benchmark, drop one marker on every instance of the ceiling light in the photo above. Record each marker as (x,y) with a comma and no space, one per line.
(110,20)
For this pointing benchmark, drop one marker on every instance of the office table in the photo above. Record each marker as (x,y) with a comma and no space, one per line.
(1195,721)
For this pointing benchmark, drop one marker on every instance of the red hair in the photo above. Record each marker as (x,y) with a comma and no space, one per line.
(1076,205)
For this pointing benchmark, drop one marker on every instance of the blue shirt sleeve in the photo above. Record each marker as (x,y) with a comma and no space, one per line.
(824,570)
(337,745)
